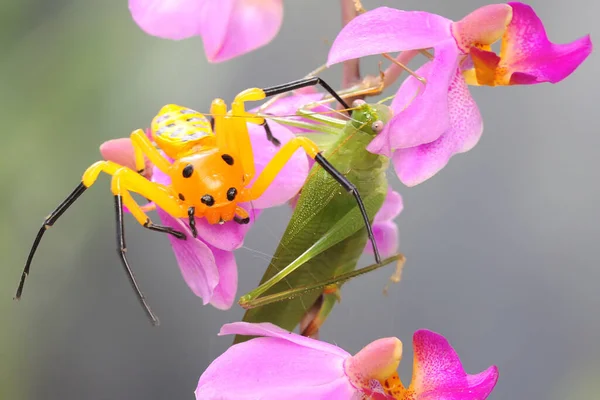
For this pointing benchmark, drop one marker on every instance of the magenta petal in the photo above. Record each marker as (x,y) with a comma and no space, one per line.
(387,239)
(224,292)
(121,151)
(289,105)
(230,235)
(196,260)
(438,372)
(235,27)
(291,178)
(424,117)
(527,51)
(172,19)
(160,177)
(417,164)
(386,30)
(392,206)
(270,330)
(273,369)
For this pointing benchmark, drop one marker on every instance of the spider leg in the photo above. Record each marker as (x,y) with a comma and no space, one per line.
(121,249)
(48,222)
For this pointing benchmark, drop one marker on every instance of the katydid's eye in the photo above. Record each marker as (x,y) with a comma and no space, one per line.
(357,103)
(377,126)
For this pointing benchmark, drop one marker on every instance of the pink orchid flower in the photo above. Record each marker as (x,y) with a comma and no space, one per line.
(207,262)
(228,28)
(384,228)
(436,121)
(280,364)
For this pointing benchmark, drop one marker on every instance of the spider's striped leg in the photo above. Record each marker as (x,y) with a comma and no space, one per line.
(48,222)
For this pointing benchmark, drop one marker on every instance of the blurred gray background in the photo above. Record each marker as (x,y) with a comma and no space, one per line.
(502,245)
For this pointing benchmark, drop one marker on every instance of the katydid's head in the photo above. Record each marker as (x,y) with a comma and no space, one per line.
(370,118)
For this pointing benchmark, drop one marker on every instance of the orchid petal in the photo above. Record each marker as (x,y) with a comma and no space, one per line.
(196,260)
(384,229)
(528,57)
(483,26)
(225,291)
(387,238)
(274,368)
(421,113)
(269,330)
(377,360)
(438,372)
(234,27)
(228,236)
(160,177)
(290,179)
(391,208)
(121,151)
(417,164)
(386,30)
(173,19)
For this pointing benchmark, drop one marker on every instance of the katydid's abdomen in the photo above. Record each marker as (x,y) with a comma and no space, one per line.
(322,203)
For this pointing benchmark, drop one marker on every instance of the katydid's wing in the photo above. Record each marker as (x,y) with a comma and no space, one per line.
(326,234)
(344,228)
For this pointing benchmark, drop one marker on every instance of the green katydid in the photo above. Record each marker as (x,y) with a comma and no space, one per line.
(326,234)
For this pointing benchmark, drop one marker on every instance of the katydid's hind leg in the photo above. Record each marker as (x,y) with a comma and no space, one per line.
(397,275)
(48,222)
(312,81)
(249,303)
(121,249)
(349,187)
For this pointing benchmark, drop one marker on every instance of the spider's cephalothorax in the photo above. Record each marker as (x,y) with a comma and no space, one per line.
(212,183)
(205,180)
(210,163)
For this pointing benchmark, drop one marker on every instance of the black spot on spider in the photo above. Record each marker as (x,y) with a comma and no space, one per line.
(181,197)
(227,158)
(231,193)
(188,171)
(208,200)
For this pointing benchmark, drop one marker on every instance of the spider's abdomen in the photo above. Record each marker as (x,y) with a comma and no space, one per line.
(176,129)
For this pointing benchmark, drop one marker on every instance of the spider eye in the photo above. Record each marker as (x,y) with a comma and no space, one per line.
(231,193)
(208,200)
(227,158)
(188,171)
(377,126)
